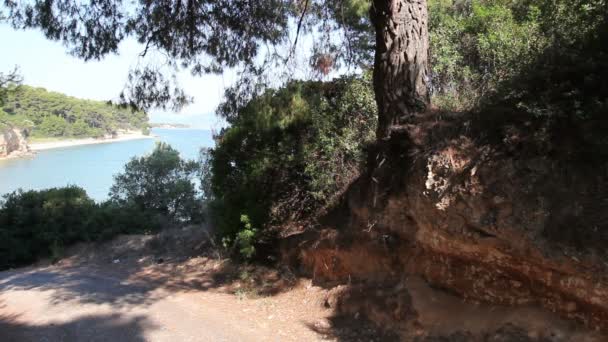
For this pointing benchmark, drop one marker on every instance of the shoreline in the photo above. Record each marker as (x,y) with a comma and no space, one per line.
(34,147)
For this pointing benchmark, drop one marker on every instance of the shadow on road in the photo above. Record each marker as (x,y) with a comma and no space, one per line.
(86,328)
(132,284)
(130,270)
(344,328)
(78,284)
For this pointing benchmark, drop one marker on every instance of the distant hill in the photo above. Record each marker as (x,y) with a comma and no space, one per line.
(54,115)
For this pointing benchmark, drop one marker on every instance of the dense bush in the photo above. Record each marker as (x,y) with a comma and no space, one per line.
(288,152)
(479,43)
(152,191)
(568,79)
(529,51)
(38,223)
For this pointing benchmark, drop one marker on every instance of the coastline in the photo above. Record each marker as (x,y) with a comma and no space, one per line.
(86,141)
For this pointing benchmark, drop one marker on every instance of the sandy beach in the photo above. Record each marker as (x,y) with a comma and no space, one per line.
(87,141)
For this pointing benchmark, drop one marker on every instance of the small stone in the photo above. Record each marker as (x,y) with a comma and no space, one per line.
(322,324)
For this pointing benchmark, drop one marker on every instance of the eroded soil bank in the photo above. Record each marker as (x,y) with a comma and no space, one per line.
(515,218)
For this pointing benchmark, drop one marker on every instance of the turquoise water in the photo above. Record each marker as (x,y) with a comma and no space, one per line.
(92,167)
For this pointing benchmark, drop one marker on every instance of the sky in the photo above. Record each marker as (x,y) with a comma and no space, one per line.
(44,63)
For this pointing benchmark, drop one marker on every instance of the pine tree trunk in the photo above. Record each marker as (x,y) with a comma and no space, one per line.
(401,62)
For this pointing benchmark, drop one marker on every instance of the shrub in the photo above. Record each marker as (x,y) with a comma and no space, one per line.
(477,44)
(160,183)
(568,78)
(36,224)
(545,56)
(246,238)
(289,152)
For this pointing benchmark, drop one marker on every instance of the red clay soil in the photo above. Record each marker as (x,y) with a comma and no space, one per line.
(515,219)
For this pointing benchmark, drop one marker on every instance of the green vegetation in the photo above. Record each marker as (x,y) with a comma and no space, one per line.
(288,153)
(291,151)
(161,182)
(546,57)
(246,238)
(49,114)
(152,191)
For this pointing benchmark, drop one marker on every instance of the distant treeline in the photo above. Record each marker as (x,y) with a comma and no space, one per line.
(51,114)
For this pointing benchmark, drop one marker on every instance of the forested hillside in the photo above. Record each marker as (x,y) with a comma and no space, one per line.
(51,114)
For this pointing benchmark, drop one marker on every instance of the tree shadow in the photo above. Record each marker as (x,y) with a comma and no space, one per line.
(348,328)
(132,284)
(79,284)
(112,327)
(205,274)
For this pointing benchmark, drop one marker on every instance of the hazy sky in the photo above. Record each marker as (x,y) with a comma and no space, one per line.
(46,64)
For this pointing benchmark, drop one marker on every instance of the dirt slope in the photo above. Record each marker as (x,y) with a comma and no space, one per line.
(515,218)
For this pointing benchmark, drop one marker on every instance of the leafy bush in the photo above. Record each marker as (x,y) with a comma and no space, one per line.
(37,223)
(477,44)
(246,238)
(568,79)
(545,56)
(289,152)
(161,183)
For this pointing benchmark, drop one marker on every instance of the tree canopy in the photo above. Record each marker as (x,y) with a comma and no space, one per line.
(475,45)
(202,36)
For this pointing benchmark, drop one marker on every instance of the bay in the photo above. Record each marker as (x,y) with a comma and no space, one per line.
(93,167)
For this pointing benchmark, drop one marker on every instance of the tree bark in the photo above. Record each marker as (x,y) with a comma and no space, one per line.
(401,61)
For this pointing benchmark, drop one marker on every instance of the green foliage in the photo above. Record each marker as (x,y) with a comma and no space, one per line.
(161,182)
(8,82)
(38,223)
(544,56)
(246,238)
(289,152)
(568,79)
(477,44)
(50,114)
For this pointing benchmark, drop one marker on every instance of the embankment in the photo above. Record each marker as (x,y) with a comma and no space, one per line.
(516,216)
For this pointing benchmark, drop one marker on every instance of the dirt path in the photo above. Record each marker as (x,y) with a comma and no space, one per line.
(78,304)
(169,288)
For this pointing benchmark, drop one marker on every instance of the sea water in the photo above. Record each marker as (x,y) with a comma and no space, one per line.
(93,167)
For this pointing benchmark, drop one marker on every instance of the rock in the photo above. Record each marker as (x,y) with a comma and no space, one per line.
(322,324)
(13,142)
